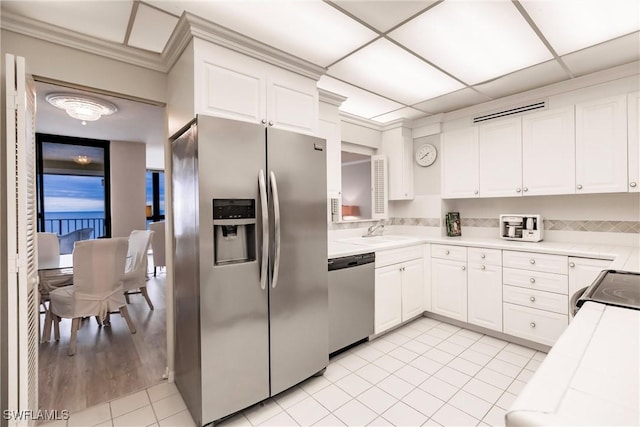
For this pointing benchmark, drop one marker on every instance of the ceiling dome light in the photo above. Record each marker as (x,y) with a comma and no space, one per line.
(81,107)
(82,159)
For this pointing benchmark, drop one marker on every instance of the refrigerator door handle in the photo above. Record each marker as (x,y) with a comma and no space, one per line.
(276,228)
(265,230)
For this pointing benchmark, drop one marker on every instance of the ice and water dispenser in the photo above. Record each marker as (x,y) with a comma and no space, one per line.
(234,231)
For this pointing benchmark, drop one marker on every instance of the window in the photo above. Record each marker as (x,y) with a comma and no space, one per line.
(155,196)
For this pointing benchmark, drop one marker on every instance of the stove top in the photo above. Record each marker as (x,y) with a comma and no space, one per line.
(614,287)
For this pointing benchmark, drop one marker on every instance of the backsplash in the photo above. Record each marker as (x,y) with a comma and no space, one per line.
(549,224)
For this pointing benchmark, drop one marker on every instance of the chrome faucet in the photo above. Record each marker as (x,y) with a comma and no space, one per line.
(375,230)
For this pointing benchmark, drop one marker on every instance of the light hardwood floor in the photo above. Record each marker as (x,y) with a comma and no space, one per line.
(109,362)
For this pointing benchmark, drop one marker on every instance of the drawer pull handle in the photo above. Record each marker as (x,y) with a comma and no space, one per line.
(579,186)
(532,261)
(572,264)
(482,267)
(532,324)
(464,268)
(483,256)
(532,299)
(518,190)
(632,184)
(446,252)
(532,280)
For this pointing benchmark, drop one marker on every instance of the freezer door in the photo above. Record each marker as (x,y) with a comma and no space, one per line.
(298,292)
(233,305)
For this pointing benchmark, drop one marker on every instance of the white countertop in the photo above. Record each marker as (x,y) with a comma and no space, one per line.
(623,257)
(591,376)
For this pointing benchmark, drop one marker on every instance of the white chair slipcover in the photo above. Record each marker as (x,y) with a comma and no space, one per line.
(157,244)
(49,253)
(135,276)
(98,270)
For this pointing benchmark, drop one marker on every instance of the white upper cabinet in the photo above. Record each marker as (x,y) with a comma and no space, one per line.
(633,149)
(548,152)
(601,145)
(460,163)
(329,129)
(500,154)
(229,84)
(397,145)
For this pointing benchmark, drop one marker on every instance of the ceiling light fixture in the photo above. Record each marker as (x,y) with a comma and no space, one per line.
(82,159)
(81,107)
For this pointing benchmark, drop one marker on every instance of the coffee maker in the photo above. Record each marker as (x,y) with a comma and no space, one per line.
(528,228)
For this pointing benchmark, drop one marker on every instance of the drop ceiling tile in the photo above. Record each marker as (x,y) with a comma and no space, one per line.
(570,25)
(605,55)
(474,41)
(106,20)
(151,29)
(311,30)
(452,101)
(383,15)
(537,76)
(385,68)
(403,113)
(359,102)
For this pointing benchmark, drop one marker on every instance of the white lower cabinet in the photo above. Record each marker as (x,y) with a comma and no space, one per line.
(388,298)
(399,287)
(484,307)
(582,272)
(532,324)
(449,288)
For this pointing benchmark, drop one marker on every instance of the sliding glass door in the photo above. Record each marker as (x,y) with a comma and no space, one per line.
(73,187)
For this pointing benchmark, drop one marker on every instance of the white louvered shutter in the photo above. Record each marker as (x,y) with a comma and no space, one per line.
(22,292)
(379,188)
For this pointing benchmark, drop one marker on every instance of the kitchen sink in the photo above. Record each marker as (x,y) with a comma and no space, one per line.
(377,240)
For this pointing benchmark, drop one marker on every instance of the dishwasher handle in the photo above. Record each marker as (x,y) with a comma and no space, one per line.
(351,261)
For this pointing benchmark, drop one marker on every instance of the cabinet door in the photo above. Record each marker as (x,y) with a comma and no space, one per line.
(633,123)
(460,163)
(230,85)
(485,296)
(601,145)
(583,271)
(388,306)
(548,152)
(399,152)
(500,153)
(412,289)
(292,102)
(449,288)
(331,132)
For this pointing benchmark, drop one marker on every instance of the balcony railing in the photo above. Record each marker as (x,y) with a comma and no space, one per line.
(67,225)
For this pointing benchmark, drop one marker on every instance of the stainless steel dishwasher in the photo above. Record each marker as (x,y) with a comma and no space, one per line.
(351,300)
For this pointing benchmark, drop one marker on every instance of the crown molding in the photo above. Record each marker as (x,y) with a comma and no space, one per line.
(397,123)
(61,36)
(329,97)
(360,121)
(191,26)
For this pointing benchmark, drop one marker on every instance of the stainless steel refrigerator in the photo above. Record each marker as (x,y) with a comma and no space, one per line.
(250,242)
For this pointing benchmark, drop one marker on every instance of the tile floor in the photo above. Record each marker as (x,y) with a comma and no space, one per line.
(426,373)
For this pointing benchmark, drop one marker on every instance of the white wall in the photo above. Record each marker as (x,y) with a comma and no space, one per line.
(71,65)
(356,186)
(128,190)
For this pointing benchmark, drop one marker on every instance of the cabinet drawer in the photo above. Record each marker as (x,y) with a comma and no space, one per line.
(456,253)
(394,256)
(537,262)
(535,325)
(485,256)
(558,283)
(536,299)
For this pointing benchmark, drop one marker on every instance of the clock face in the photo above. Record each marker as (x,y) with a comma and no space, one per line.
(426,155)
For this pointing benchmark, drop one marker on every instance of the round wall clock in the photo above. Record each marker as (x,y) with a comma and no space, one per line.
(426,154)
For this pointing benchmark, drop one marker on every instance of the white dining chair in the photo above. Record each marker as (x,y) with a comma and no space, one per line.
(49,253)
(135,275)
(157,245)
(98,271)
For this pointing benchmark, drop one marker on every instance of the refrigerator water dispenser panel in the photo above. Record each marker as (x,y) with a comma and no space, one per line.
(234,231)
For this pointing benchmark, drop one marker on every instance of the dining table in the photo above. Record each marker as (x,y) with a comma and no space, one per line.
(61,262)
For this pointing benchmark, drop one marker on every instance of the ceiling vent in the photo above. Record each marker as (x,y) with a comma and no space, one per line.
(511,112)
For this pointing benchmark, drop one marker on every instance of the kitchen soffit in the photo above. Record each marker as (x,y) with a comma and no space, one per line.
(334,34)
